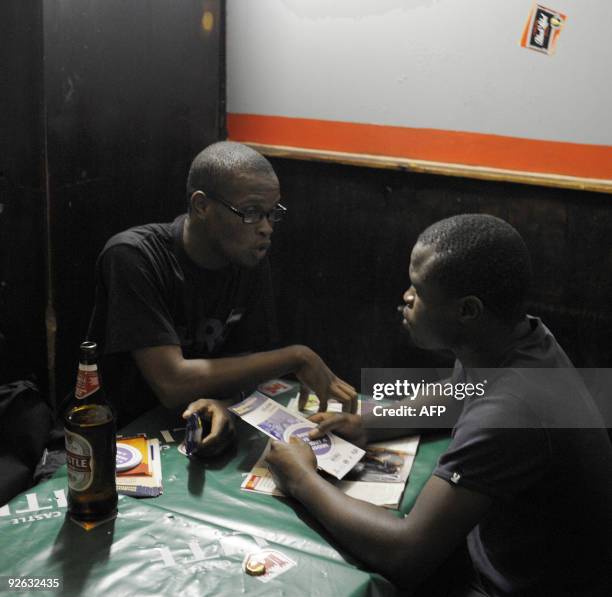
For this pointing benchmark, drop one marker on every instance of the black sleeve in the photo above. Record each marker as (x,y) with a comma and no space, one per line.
(498,449)
(137,313)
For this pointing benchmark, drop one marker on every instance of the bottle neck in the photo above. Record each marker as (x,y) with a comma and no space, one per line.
(88,381)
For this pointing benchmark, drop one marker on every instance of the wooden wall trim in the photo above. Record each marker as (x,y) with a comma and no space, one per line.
(439,168)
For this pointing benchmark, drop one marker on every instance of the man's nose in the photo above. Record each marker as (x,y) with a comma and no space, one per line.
(265,226)
(409,297)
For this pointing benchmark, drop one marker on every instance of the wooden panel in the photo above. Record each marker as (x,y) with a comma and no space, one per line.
(341,259)
(22,206)
(133,93)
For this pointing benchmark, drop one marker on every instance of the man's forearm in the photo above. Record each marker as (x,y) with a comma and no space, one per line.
(189,379)
(374,535)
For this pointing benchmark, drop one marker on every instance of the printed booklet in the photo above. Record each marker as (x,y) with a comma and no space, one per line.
(334,455)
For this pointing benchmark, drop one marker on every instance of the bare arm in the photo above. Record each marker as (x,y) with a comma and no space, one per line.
(404,550)
(176,380)
(407,550)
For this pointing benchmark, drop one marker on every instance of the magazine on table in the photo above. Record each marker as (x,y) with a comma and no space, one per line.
(379,478)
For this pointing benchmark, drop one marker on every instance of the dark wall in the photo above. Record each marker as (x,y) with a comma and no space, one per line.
(133,92)
(104,104)
(341,259)
(22,204)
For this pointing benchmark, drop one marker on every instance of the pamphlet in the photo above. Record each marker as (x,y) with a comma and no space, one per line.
(380,478)
(334,455)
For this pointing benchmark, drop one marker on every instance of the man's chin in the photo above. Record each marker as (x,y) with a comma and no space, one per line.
(414,340)
(249,260)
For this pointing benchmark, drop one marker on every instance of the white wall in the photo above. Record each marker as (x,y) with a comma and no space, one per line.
(437,64)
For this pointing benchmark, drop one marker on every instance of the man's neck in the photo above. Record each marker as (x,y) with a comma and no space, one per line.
(197,247)
(489,350)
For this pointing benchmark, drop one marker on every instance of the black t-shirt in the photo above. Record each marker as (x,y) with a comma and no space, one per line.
(149,293)
(535,444)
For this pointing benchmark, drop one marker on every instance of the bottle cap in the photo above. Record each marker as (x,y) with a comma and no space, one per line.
(254,565)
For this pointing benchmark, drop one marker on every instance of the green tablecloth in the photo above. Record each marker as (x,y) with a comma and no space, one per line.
(193,538)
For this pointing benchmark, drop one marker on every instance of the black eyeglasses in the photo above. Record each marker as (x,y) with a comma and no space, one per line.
(254,215)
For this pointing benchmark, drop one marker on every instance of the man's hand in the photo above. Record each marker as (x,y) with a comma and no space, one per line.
(222,431)
(315,375)
(346,425)
(290,463)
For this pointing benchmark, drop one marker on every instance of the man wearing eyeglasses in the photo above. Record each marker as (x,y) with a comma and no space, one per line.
(175,301)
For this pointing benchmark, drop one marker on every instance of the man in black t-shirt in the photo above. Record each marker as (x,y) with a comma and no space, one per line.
(184,310)
(527,478)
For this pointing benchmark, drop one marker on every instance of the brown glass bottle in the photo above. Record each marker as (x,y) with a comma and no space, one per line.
(91,444)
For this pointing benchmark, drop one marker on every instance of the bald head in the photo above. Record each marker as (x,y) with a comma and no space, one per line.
(221,166)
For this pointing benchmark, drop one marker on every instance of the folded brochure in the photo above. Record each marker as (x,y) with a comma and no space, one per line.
(334,455)
(380,478)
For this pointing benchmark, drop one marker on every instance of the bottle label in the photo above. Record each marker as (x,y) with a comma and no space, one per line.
(80,461)
(87,381)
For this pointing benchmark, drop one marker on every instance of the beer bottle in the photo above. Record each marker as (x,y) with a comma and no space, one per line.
(91,445)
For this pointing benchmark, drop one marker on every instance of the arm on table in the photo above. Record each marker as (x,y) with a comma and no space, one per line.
(405,550)
(138,315)
(176,380)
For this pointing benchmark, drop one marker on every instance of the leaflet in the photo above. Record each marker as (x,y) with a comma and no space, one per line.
(380,477)
(334,455)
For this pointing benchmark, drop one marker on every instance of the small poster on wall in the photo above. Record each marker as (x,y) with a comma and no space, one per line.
(542,29)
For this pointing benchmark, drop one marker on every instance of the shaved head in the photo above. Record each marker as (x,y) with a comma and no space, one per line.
(484,256)
(221,165)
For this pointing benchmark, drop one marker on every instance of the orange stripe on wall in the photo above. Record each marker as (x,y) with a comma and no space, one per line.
(454,147)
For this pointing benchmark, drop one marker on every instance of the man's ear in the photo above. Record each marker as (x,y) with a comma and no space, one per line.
(471,308)
(199,203)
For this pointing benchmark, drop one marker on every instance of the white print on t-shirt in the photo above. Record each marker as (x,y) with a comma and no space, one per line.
(213,332)
(210,331)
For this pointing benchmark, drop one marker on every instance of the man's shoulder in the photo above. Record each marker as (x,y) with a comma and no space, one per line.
(507,406)
(147,250)
(142,237)
(539,349)
(504,398)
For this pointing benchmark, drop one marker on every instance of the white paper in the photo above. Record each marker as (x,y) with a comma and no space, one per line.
(334,455)
(387,494)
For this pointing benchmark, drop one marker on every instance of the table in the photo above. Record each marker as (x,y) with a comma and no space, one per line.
(193,538)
